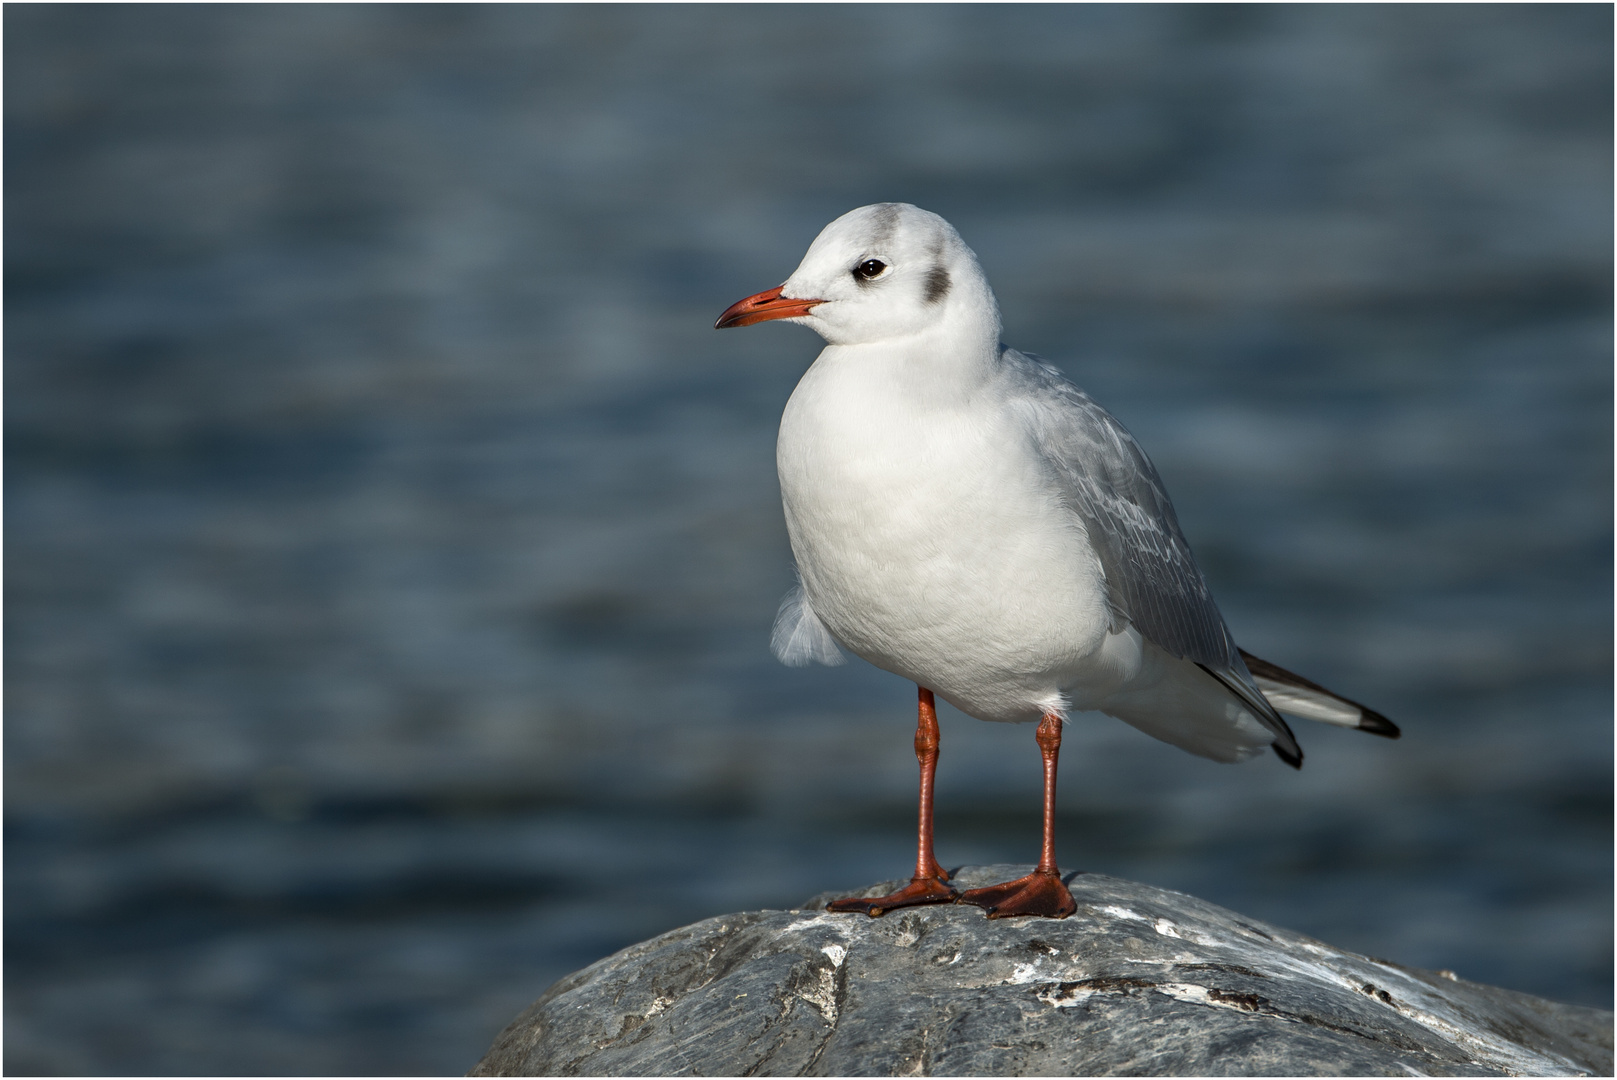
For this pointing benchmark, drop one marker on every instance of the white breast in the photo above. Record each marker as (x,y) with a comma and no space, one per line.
(931,542)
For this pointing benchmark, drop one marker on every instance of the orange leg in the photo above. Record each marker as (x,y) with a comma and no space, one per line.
(930,883)
(1041,892)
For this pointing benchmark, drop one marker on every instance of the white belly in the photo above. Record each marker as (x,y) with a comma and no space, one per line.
(931,543)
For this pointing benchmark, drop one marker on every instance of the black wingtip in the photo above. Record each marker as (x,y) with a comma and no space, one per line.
(1376,724)
(1369,719)
(1294,760)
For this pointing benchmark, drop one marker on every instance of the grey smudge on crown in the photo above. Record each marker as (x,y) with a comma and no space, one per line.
(883,222)
(937,284)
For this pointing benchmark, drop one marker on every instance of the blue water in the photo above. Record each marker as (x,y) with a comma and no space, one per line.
(392,545)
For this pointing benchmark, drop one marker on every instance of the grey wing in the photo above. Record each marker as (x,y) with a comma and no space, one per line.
(1152,579)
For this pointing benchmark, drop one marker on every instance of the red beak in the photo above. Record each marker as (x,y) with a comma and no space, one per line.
(762,307)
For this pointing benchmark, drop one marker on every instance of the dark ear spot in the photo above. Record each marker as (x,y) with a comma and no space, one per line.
(937,284)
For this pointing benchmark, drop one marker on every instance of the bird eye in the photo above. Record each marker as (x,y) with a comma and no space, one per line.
(870,268)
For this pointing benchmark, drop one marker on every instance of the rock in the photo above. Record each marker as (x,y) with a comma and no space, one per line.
(1139,981)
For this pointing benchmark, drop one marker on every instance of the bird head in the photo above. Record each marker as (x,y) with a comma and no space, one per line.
(880,273)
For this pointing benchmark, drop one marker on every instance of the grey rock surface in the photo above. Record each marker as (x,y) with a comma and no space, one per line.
(1140,981)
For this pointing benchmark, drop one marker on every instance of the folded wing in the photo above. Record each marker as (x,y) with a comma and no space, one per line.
(1152,580)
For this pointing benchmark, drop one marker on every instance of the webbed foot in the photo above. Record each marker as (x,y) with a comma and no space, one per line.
(918,891)
(1039,893)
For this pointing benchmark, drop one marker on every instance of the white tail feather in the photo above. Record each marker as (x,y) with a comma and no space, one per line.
(1309,704)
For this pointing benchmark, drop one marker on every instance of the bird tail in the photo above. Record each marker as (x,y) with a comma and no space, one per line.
(1285,745)
(1293,694)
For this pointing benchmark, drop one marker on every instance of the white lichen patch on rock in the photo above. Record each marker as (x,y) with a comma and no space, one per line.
(823,994)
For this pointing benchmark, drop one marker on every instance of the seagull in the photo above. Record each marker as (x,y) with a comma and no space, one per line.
(963,516)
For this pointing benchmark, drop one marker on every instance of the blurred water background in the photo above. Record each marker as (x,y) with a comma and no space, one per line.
(392,545)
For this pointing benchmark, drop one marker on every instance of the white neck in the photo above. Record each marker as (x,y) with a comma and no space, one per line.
(945,362)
